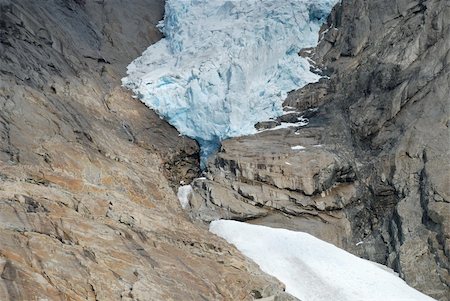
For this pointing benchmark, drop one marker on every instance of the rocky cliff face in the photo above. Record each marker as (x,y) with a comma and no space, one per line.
(372,175)
(86,207)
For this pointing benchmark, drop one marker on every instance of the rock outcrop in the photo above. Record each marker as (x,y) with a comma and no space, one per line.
(86,207)
(370,172)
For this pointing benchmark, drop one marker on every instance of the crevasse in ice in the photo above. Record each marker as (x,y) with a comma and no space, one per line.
(225,65)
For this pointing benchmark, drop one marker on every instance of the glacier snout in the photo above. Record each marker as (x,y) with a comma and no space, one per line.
(225,65)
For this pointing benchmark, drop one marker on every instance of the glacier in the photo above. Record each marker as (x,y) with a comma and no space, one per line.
(224,65)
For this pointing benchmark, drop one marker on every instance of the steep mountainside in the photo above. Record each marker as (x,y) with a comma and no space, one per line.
(371,170)
(86,210)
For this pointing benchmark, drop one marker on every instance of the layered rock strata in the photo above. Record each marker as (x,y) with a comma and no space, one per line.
(370,172)
(86,207)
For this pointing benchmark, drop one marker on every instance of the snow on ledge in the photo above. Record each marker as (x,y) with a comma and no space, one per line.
(312,269)
(183,195)
(286,125)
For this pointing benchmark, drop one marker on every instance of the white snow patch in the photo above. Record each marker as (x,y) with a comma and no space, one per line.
(183,195)
(297,147)
(312,269)
(359,243)
(289,112)
(286,125)
(287,163)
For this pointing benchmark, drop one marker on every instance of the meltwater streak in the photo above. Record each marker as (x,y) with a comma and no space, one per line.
(225,65)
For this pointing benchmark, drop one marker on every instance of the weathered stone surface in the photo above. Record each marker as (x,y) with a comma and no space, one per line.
(383,123)
(287,176)
(86,207)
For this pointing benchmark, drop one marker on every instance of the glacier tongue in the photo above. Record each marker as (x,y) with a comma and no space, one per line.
(225,65)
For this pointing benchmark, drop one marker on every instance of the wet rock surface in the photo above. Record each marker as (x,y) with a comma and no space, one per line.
(373,174)
(87,211)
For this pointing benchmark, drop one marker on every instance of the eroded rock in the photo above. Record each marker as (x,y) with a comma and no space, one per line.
(378,185)
(87,211)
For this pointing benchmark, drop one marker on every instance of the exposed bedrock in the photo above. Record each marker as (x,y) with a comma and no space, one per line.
(86,206)
(373,175)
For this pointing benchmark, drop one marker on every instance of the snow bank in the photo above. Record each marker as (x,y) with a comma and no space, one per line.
(225,65)
(183,195)
(312,269)
(297,147)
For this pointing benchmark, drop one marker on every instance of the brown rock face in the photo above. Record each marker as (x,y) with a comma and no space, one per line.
(86,209)
(373,176)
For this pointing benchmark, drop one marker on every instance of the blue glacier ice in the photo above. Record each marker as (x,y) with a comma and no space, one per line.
(225,65)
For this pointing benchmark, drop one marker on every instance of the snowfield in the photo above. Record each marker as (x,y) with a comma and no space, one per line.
(225,65)
(312,269)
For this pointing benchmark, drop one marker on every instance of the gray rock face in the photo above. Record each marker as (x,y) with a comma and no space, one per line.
(86,207)
(379,183)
